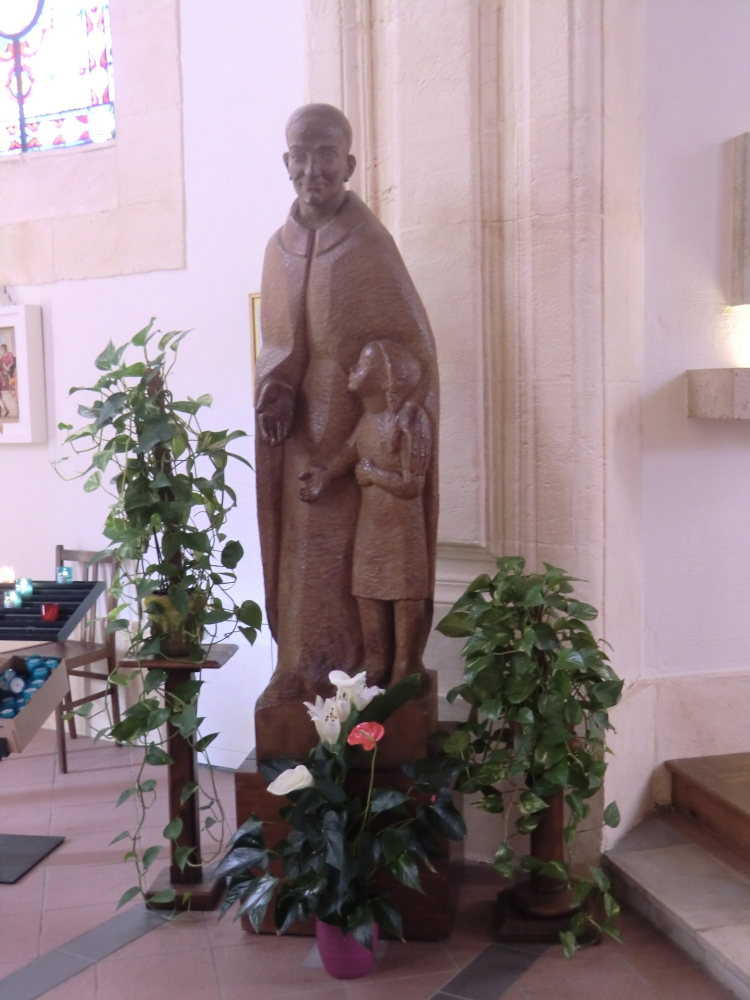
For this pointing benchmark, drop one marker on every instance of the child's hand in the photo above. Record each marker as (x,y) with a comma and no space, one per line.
(315,480)
(363,472)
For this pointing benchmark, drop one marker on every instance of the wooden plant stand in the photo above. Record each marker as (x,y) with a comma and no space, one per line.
(538,908)
(204,891)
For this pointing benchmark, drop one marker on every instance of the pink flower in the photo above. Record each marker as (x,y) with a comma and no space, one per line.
(368,734)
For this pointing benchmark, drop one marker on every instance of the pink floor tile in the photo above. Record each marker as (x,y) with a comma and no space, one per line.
(19,935)
(414,988)
(249,973)
(158,977)
(414,959)
(101,884)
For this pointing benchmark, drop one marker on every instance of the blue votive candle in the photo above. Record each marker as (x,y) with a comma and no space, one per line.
(24,587)
(64,574)
(12,599)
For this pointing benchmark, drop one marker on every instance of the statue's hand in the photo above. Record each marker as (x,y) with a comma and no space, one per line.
(363,472)
(314,480)
(275,411)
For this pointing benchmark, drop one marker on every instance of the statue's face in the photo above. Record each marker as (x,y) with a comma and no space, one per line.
(318,161)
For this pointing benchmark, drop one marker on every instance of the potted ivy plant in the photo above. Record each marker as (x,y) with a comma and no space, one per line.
(175,566)
(539,687)
(340,841)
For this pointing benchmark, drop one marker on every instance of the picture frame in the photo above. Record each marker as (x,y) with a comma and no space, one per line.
(23,412)
(255,334)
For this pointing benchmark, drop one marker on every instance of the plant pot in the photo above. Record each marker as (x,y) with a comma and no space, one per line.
(342,955)
(177,631)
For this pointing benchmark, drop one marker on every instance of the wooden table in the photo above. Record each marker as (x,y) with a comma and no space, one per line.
(204,891)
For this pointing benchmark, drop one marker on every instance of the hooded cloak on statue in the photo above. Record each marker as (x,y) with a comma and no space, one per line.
(325,294)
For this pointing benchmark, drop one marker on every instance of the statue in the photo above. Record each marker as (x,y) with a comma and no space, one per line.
(347,430)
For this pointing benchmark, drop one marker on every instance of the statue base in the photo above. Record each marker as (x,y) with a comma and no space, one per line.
(426,916)
(286,730)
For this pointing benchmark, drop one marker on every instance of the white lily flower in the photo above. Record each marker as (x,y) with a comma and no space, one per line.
(353,689)
(326,717)
(292,780)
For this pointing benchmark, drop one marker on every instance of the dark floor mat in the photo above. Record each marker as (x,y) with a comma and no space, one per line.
(19,854)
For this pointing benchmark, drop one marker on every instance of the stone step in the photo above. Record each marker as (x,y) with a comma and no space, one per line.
(692,887)
(714,792)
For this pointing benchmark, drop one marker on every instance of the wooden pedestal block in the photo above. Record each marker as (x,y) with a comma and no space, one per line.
(426,916)
(286,730)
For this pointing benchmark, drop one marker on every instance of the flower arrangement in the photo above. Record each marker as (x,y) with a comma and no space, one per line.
(339,841)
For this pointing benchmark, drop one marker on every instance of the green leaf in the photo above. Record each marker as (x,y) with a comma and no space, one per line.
(142,337)
(128,895)
(164,896)
(150,855)
(106,359)
(124,796)
(202,744)
(569,943)
(182,856)
(257,899)
(601,880)
(155,432)
(249,613)
(384,799)
(154,679)
(482,582)
(404,868)
(92,483)
(173,829)
(383,707)
(120,836)
(579,609)
(231,554)
(456,625)
(189,789)
(503,861)
(155,755)
(457,743)
(249,633)
(530,803)
(240,861)
(148,785)
(612,815)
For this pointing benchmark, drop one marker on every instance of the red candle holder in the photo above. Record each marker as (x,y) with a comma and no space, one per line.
(50,612)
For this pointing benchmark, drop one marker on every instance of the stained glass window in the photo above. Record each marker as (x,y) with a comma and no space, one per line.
(56,83)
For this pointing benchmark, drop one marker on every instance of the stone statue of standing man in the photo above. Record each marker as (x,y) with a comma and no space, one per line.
(347,432)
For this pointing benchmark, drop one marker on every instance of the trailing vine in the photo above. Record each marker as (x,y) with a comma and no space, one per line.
(175,565)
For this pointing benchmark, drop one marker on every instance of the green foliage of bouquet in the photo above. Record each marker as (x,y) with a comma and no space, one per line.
(327,866)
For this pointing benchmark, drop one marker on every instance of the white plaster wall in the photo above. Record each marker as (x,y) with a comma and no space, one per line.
(696,472)
(237,194)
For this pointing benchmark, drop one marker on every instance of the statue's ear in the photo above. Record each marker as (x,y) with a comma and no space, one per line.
(286,160)
(351,163)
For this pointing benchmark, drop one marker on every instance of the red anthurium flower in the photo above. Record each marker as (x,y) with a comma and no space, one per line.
(368,734)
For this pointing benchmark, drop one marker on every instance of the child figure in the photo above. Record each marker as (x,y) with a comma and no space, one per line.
(390,453)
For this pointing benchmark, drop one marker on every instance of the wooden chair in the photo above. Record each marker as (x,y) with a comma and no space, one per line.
(81,653)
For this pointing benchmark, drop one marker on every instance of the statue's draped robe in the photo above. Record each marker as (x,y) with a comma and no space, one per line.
(325,295)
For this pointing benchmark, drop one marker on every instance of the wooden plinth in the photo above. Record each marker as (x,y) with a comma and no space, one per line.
(204,892)
(202,896)
(286,730)
(426,916)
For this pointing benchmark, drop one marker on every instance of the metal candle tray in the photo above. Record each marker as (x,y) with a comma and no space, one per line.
(25,623)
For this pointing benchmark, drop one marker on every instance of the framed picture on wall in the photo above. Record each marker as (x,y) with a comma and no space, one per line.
(254,331)
(23,415)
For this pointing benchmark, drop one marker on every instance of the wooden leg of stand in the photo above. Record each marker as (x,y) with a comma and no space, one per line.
(71,721)
(62,750)
(540,895)
(204,892)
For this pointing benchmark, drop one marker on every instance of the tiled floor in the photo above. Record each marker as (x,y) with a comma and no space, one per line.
(199,958)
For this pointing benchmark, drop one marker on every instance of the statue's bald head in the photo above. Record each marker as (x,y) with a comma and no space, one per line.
(318,118)
(319,160)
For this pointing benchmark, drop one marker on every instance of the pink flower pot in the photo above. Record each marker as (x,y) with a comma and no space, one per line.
(342,955)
